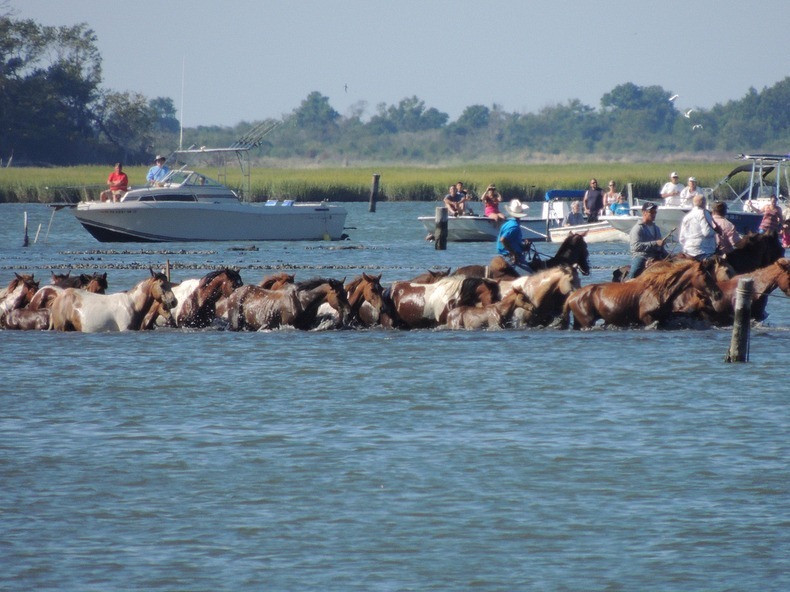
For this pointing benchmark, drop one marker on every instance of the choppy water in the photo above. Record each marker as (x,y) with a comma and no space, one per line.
(382,460)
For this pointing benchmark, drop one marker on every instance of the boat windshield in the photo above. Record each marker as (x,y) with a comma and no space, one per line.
(191,179)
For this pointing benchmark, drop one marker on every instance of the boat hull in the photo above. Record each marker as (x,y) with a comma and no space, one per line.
(483,229)
(177,222)
(597,232)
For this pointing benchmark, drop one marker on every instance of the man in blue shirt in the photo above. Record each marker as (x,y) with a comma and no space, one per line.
(510,241)
(158,172)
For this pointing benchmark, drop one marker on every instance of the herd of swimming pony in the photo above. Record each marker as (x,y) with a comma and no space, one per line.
(673,291)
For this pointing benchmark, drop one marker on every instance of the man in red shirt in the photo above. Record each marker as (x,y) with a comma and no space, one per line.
(118,183)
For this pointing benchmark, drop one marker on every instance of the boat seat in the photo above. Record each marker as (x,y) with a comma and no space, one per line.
(288,202)
(271,202)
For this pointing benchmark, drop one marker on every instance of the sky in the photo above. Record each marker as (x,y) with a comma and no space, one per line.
(231,61)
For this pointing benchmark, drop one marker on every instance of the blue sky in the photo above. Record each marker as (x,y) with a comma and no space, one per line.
(246,60)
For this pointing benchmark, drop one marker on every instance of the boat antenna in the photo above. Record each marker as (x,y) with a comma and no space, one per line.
(181,119)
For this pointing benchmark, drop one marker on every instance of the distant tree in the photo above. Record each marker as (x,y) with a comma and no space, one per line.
(165,115)
(126,120)
(410,115)
(315,112)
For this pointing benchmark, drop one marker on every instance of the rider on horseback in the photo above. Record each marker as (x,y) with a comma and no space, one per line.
(645,240)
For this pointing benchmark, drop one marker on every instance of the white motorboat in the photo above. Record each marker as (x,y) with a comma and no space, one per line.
(189,206)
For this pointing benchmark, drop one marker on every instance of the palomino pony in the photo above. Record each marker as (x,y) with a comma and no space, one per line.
(35,316)
(366,299)
(254,308)
(766,280)
(547,292)
(77,310)
(640,302)
(421,306)
(197,298)
(492,316)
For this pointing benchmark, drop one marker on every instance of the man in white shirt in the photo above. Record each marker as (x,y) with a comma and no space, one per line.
(698,231)
(671,190)
(689,192)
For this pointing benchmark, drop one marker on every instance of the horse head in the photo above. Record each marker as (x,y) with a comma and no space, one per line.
(573,251)
(63,280)
(96,283)
(161,290)
(366,298)
(703,278)
(783,276)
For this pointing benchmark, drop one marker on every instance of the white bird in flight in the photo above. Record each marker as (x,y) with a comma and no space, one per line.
(688,113)
(673,97)
(696,126)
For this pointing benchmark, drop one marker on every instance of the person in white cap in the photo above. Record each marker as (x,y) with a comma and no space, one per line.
(510,242)
(158,172)
(689,192)
(670,192)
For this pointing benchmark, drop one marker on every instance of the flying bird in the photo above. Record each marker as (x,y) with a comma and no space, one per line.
(696,126)
(346,88)
(688,113)
(673,97)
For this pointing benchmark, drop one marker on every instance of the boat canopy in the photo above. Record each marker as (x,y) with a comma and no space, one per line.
(564,194)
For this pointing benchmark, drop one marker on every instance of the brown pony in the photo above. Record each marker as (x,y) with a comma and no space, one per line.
(77,310)
(197,299)
(498,269)
(547,291)
(97,282)
(366,299)
(18,294)
(722,269)
(277,280)
(492,316)
(639,302)
(254,308)
(766,280)
(421,306)
(430,276)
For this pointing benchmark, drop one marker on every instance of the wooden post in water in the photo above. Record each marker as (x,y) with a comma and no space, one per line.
(167,269)
(26,240)
(374,193)
(739,344)
(440,231)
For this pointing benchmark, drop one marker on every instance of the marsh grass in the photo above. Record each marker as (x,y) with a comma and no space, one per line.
(525,182)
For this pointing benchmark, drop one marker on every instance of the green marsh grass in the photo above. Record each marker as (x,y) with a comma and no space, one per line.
(525,182)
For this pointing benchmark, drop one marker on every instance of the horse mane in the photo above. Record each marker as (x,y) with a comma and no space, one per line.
(232,274)
(666,279)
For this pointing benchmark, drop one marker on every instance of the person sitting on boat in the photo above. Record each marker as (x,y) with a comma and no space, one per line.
(772,217)
(784,235)
(510,241)
(118,184)
(455,202)
(593,201)
(645,240)
(158,172)
(610,197)
(491,199)
(575,216)
(698,231)
(620,207)
(670,192)
(688,193)
(725,242)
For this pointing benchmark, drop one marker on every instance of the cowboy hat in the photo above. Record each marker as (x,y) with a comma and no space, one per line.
(517,209)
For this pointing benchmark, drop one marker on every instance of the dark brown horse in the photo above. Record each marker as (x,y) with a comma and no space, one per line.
(254,308)
(766,280)
(492,316)
(421,306)
(277,280)
(755,251)
(640,302)
(366,299)
(572,251)
(96,281)
(197,299)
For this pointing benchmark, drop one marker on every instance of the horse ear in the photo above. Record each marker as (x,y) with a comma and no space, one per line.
(583,234)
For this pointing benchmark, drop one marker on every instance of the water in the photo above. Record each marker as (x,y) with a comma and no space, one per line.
(382,460)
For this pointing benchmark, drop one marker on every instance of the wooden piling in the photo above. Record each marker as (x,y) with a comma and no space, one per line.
(374,193)
(26,240)
(739,343)
(440,230)
(167,269)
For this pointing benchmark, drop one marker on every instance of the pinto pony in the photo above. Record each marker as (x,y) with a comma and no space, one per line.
(18,294)
(643,301)
(197,298)
(136,309)
(547,291)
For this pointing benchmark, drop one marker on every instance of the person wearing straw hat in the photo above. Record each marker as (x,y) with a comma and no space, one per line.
(510,241)
(158,172)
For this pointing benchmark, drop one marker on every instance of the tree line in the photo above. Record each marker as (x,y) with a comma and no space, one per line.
(53,110)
